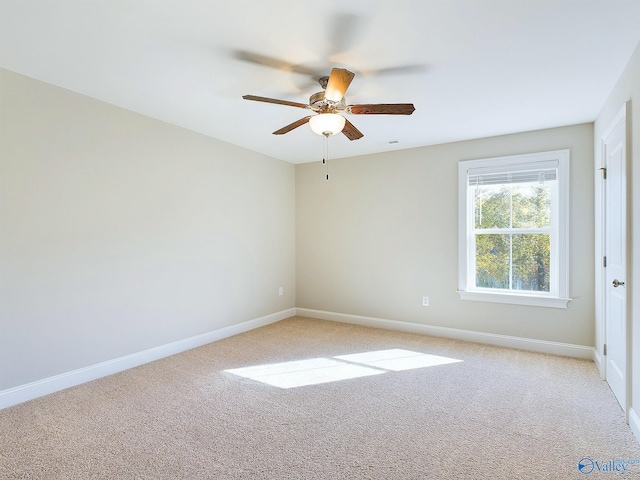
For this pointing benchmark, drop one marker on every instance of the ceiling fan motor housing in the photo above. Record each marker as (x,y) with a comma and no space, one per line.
(319,103)
(317,100)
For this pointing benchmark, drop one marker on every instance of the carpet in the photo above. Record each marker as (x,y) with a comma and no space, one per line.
(423,408)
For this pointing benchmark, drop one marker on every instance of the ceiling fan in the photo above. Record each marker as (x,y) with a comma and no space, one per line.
(330,106)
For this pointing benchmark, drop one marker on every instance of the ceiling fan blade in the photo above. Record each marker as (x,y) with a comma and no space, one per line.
(275,100)
(351,132)
(293,125)
(397,70)
(275,63)
(339,81)
(382,109)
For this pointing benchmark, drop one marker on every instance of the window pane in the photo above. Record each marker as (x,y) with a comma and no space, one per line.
(531,205)
(492,206)
(531,261)
(492,261)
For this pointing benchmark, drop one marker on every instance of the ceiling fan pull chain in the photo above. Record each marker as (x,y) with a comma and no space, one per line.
(325,154)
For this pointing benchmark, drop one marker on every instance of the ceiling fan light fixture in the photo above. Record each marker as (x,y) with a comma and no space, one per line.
(326,124)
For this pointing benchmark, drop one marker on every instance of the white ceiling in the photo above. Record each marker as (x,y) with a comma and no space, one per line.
(473,68)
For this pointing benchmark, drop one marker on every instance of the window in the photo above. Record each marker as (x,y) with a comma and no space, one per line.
(513,237)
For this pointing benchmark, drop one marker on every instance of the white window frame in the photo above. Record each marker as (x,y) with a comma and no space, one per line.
(558,296)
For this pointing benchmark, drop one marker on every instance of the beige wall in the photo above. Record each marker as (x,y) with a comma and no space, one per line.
(121,233)
(628,89)
(383,232)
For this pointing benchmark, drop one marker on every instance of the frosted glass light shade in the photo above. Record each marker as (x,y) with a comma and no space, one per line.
(327,123)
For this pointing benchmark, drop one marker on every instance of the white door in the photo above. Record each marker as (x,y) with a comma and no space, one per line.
(614,154)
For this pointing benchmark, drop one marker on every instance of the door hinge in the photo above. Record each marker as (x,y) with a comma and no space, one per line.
(604,261)
(604,173)
(604,349)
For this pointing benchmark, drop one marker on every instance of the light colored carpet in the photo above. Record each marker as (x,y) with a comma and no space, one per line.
(497,414)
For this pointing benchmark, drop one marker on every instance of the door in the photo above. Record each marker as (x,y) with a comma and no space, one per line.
(614,155)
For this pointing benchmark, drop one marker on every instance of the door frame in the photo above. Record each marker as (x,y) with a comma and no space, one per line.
(600,250)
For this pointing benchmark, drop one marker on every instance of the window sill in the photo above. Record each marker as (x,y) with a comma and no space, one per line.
(515,299)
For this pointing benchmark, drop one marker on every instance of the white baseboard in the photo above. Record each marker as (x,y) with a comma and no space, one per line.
(634,423)
(597,359)
(543,346)
(29,391)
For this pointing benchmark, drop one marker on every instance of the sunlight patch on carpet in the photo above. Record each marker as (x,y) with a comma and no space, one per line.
(316,371)
(397,359)
(304,372)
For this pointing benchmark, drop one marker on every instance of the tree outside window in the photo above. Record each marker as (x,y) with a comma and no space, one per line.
(507,260)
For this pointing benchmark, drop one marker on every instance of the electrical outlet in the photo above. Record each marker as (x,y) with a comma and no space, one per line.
(425,301)
(281,291)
